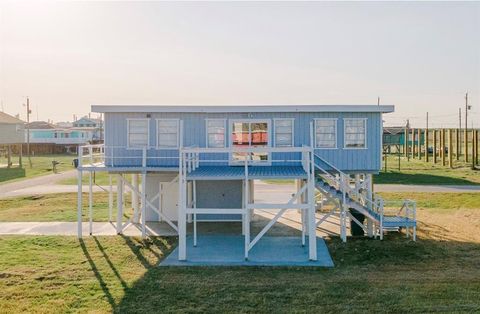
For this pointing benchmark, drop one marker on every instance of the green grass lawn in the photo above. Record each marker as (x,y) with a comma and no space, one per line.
(100,178)
(439,272)
(120,274)
(57,207)
(41,165)
(63,206)
(420,172)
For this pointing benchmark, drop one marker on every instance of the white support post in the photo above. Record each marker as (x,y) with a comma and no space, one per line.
(194,203)
(244,206)
(247,209)
(110,198)
(369,204)
(182,223)
(119,203)
(301,200)
(135,202)
(90,203)
(144,203)
(312,226)
(189,200)
(79,203)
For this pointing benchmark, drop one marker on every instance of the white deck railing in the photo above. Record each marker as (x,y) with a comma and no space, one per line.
(111,156)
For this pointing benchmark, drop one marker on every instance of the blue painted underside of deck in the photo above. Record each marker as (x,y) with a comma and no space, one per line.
(221,250)
(254,172)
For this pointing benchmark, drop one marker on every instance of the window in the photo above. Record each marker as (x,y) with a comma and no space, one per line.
(167,133)
(283,132)
(326,133)
(355,133)
(247,134)
(215,133)
(137,133)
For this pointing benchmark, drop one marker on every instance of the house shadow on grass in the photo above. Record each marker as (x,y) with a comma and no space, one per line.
(393,177)
(434,271)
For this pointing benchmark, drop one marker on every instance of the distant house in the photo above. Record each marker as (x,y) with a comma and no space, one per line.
(11,129)
(67,139)
(93,124)
(11,137)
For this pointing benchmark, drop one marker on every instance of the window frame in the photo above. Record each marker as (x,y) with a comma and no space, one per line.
(335,120)
(274,138)
(128,133)
(250,121)
(365,124)
(177,146)
(225,145)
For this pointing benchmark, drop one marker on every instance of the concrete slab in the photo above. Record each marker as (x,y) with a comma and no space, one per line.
(228,250)
(70,229)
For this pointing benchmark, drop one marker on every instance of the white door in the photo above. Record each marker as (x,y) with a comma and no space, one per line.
(169,199)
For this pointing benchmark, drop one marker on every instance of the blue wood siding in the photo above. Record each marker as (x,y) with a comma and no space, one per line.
(349,160)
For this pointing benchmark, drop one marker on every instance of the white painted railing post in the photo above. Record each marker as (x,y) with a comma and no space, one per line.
(415,221)
(247,209)
(144,157)
(312,226)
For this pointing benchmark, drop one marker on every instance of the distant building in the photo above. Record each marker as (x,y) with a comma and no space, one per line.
(11,129)
(42,132)
(92,123)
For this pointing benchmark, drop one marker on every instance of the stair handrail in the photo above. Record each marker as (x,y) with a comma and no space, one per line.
(345,188)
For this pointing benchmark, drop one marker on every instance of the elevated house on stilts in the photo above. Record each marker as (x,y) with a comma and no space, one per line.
(200,163)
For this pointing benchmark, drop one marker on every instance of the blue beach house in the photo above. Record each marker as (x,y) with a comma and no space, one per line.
(200,163)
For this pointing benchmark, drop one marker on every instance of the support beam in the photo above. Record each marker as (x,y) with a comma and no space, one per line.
(450,148)
(419,146)
(79,204)
(442,147)
(414,144)
(434,146)
(119,203)
(182,221)
(247,211)
(110,198)
(426,143)
(457,144)
(135,201)
(312,227)
(194,204)
(369,186)
(144,203)
(90,202)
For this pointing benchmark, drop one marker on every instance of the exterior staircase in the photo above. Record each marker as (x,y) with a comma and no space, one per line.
(335,184)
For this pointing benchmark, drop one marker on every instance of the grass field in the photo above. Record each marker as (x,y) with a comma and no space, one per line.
(100,178)
(41,165)
(440,272)
(420,172)
(62,207)
(57,207)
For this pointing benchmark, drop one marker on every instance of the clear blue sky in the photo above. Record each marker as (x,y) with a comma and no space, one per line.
(419,56)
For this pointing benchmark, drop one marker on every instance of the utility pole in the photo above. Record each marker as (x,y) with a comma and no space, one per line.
(467,107)
(378,101)
(426,140)
(28,132)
